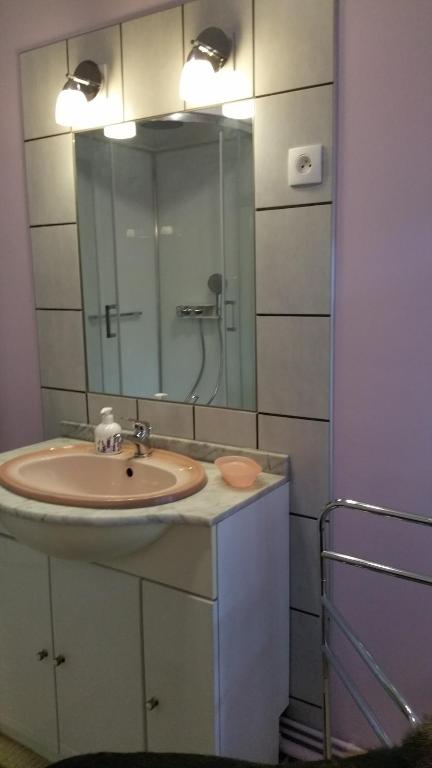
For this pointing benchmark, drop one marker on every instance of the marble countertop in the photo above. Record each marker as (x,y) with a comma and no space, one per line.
(207,507)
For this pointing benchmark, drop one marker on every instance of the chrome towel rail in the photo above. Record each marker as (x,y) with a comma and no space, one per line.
(330,612)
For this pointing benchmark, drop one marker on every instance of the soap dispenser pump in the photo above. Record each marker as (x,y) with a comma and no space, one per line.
(108,433)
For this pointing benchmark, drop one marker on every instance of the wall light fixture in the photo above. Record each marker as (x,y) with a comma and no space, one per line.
(81,87)
(120,130)
(239,110)
(210,51)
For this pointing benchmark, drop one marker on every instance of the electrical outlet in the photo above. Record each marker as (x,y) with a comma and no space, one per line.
(305,165)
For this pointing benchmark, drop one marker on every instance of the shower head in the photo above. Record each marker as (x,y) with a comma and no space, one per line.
(215,283)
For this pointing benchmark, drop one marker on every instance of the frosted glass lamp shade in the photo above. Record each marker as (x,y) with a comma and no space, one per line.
(120,130)
(196,80)
(70,107)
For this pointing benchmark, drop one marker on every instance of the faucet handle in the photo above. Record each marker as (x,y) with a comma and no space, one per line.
(143,427)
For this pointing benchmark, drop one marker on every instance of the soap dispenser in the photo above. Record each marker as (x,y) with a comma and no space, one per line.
(108,433)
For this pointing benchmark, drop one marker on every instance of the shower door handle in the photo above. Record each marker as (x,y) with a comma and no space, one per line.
(134,314)
(109,333)
(232,326)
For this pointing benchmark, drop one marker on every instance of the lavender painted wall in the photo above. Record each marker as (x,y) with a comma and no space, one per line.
(26,24)
(383,350)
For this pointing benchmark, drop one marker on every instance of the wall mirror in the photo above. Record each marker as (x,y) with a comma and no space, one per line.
(166,233)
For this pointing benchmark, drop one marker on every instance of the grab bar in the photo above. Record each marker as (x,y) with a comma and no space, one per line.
(329,611)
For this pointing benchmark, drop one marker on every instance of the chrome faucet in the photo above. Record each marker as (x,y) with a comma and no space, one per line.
(140,438)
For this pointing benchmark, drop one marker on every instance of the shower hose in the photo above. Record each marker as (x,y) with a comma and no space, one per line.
(192,394)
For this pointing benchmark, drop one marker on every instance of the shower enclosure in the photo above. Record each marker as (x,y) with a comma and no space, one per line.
(167,258)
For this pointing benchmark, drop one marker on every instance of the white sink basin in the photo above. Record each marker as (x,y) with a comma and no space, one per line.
(86,497)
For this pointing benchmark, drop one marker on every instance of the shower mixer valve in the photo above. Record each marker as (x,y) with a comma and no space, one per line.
(197,311)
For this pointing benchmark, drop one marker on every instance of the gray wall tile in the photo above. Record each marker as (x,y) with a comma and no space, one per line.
(291,120)
(293,366)
(307,444)
(221,425)
(56,267)
(124,409)
(102,47)
(61,349)
(168,418)
(42,78)
(151,76)
(50,180)
(293,44)
(293,258)
(305,663)
(305,564)
(59,405)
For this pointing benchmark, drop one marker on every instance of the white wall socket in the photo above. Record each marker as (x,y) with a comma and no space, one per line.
(305,165)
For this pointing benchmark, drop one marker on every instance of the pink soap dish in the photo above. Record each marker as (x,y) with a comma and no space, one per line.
(238,471)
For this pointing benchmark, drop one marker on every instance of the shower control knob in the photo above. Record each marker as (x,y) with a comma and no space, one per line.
(198,311)
(186,310)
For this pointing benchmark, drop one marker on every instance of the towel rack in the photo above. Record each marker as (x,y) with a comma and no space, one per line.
(329,613)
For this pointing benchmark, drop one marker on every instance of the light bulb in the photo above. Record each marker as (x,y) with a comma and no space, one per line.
(196,81)
(120,130)
(239,110)
(70,107)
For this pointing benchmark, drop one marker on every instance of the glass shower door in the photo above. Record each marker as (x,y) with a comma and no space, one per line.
(117,242)
(166,241)
(95,215)
(237,206)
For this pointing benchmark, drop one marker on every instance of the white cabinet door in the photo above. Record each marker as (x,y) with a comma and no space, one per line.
(27,695)
(96,614)
(180,661)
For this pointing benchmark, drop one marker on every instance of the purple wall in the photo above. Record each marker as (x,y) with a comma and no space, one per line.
(27,24)
(383,347)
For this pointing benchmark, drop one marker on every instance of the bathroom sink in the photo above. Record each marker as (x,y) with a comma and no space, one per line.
(80,477)
(76,481)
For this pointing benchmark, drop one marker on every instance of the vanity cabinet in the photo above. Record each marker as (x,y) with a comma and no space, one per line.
(182,646)
(70,645)
(96,624)
(27,690)
(181,670)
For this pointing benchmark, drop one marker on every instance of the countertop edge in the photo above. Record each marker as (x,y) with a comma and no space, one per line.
(178,512)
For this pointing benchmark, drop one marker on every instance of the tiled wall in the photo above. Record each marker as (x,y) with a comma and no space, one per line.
(286,48)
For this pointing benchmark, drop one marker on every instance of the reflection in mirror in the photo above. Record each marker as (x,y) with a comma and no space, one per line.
(167,256)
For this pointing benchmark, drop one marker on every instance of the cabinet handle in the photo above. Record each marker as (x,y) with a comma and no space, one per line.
(60,659)
(152,703)
(42,654)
